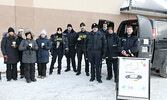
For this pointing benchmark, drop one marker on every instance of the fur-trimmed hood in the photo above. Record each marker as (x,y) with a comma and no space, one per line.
(27,31)
(7,35)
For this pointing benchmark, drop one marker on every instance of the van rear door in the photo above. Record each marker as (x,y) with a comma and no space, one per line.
(110,23)
(146,37)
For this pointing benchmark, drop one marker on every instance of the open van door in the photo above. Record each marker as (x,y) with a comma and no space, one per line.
(110,23)
(146,37)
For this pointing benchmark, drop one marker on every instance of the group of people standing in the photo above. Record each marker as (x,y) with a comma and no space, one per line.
(97,45)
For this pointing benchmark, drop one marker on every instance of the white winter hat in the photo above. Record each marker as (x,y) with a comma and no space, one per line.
(21,30)
(43,32)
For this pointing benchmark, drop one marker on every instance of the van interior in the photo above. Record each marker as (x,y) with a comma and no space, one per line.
(123,26)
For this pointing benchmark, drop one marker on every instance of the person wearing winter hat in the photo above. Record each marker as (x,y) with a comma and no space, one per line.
(29,47)
(19,39)
(44,45)
(59,47)
(11,30)
(81,35)
(95,46)
(72,40)
(9,48)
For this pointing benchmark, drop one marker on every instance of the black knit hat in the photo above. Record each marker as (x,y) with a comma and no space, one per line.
(10,29)
(59,29)
(94,25)
(82,24)
(69,25)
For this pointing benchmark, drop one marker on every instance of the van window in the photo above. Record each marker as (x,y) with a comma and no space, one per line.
(161,30)
(124,29)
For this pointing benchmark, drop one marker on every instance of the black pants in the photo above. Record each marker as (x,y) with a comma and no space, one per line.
(11,71)
(29,69)
(21,68)
(42,69)
(71,56)
(95,60)
(113,62)
(80,52)
(56,53)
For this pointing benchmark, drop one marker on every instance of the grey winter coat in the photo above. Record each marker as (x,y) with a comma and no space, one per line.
(29,55)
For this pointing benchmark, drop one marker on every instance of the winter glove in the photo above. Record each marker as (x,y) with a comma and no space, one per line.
(106,57)
(29,47)
(54,45)
(86,55)
(103,56)
(66,51)
(44,47)
(5,58)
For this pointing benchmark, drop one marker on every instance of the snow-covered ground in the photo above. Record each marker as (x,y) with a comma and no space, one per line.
(68,86)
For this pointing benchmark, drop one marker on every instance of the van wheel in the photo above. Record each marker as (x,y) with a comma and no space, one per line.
(163,69)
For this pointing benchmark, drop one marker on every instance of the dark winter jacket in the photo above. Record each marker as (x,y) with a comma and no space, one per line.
(60,39)
(7,50)
(72,37)
(95,41)
(105,32)
(43,51)
(113,46)
(130,43)
(29,55)
(19,39)
(83,36)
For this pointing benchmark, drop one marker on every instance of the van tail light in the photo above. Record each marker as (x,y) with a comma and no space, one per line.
(134,19)
(153,33)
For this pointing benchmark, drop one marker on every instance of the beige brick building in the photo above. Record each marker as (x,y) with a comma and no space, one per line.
(50,14)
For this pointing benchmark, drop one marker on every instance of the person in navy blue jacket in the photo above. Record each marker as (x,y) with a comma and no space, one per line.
(130,43)
(44,45)
(95,46)
(113,51)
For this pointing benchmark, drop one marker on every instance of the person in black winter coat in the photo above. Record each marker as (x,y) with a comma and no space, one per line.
(80,49)
(113,51)
(72,40)
(29,47)
(59,47)
(130,43)
(95,47)
(104,29)
(44,45)
(19,39)
(9,48)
